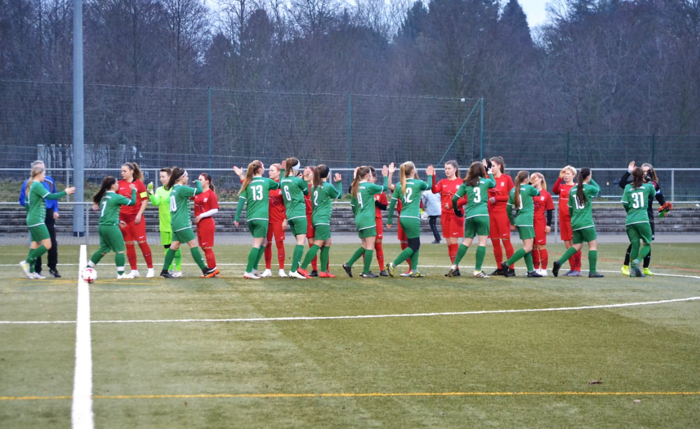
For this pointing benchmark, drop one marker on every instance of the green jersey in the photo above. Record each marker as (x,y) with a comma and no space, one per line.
(161,199)
(180,205)
(321,198)
(410,199)
(526,211)
(635,201)
(582,214)
(363,204)
(477,197)
(35,204)
(293,191)
(256,198)
(110,205)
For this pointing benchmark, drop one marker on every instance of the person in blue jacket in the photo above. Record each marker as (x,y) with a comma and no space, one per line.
(51,216)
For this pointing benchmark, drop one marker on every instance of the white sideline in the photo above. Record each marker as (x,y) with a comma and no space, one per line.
(81,408)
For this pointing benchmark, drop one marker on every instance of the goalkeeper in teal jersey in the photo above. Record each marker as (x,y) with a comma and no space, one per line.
(322,196)
(363,209)
(181,223)
(255,195)
(521,198)
(293,190)
(581,212)
(635,199)
(476,187)
(161,199)
(409,191)
(108,202)
(35,205)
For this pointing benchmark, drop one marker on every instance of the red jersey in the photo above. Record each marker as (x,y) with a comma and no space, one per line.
(382,200)
(563,190)
(542,204)
(309,206)
(127,212)
(278,212)
(204,202)
(447,189)
(501,193)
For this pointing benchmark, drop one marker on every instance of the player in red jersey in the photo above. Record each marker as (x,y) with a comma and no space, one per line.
(498,216)
(206,205)
(452,226)
(131,220)
(543,203)
(562,187)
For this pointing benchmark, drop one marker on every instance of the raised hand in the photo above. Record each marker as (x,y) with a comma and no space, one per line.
(337,177)
(385,171)
(392,168)
(70,191)
(238,171)
(631,166)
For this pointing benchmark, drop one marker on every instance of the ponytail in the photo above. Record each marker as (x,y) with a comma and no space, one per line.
(637,177)
(253,168)
(543,182)
(289,165)
(359,174)
(320,173)
(582,175)
(476,171)
(107,184)
(209,179)
(138,174)
(174,177)
(519,180)
(35,172)
(406,169)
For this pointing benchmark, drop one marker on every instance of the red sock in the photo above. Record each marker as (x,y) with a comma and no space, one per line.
(280,253)
(544,258)
(452,251)
(131,255)
(577,260)
(572,261)
(268,256)
(211,259)
(314,263)
(497,252)
(509,250)
(536,259)
(379,251)
(146,250)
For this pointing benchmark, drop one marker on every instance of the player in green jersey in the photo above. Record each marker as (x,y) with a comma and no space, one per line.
(322,195)
(635,199)
(363,208)
(108,202)
(293,190)
(521,198)
(409,191)
(581,212)
(255,194)
(161,199)
(35,205)
(181,223)
(476,187)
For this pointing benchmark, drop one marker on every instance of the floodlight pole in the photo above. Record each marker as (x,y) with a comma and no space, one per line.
(78,123)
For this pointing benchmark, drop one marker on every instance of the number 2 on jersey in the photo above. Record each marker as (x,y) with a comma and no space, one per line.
(407,195)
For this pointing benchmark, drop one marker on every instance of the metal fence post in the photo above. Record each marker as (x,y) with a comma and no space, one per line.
(209,122)
(349,129)
(673,186)
(568,143)
(481,138)
(653,148)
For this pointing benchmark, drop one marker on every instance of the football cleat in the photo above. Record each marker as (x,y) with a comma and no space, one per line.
(450,273)
(542,272)
(25,267)
(150,273)
(326,275)
(625,270)
(281,273)
(480,275)
(391,269)
(635,271)
(647,272)
(165,274)
(124,276)
(135,273)
(556,268)
(406,274)
(416,274)
(595,275)
(574,273)
(297,275)
(250,276)
(498,272)
(256,272)
(534,274)
(383,273)
(303,272)
(511,272)
(38,276)
(177,274)
(369,275)
(348,269)
(506,270)
(211,272)
(313,273)
(266,273)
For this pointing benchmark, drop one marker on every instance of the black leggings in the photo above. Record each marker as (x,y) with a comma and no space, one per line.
(647,259)
(414,243)
(433,226)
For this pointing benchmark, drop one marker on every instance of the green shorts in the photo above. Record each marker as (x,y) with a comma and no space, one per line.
(184,235)
(411,226)
(258,228)
(323,232)
(39,233)
(638,231)
(585,235)
(111,239)
(298,226)
(526,232)
(166,238)
(477,225)
(367,232)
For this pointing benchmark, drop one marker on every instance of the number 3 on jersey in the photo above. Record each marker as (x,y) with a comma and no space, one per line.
(638,200)
(477,195)
(257,192)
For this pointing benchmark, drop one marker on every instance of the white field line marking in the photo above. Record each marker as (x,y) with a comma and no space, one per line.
(81,409)
(373,316)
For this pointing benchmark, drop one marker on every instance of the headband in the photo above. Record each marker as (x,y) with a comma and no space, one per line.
(295,168)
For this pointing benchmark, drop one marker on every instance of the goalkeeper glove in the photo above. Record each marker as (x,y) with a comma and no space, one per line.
(667,207)
(458,212)
(150,188)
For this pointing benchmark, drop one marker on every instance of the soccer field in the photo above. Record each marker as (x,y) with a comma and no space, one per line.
(437,352)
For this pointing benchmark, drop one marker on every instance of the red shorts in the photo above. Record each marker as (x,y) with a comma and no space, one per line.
(401,234)
(500,226)
(133,232)
(309,227)
(380,228)
(565,231)
(540,231)
(205,232)
(276,229)
(452,226)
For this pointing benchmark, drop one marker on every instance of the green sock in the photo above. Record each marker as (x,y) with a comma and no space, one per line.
(518,255)
(169,255)
(407,253)
(528,262)
(414,260)
(96,257)
(119,261)
(261,253)
(296,257)
(368,261)
(34,255)
(310,255)
(592,260)
(480,255)
(28,259)
(325,252)
(197,256)
(178,260)
(460,254)
(568,254)
(355,256)
(635,250)
(252,258)
(643,252)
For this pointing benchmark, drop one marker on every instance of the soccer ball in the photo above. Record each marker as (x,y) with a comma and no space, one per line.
(89,275)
